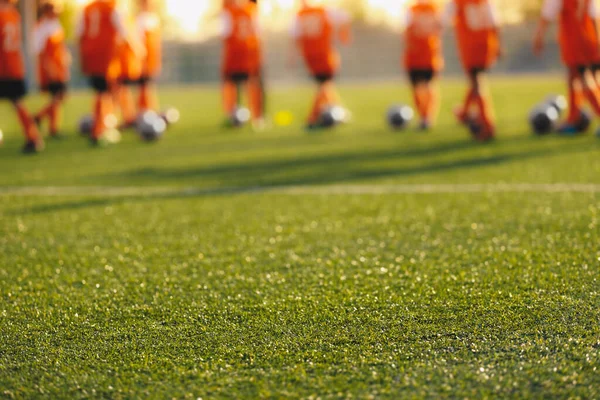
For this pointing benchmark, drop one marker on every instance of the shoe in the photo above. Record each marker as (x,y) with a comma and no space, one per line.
(424,126)
(568,129)
(486,135)
(33,146)
(462,117)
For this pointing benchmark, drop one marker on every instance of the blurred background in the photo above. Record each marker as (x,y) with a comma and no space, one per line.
(192,46)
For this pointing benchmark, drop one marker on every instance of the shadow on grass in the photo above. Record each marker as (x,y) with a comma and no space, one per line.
(322,170)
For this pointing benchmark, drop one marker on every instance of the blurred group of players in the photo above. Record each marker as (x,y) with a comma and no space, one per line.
(115,54)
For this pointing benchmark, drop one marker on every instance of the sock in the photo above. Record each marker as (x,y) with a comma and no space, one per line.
(433,102)
(319,102)
(331,95)
(55,118)
(29,128)
(127,105)
(44,112)
(148,98)
(484,105)
(418,99)
(229,97)
(255,98)
(99,116)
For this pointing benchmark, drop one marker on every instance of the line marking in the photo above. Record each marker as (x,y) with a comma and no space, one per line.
(366,189)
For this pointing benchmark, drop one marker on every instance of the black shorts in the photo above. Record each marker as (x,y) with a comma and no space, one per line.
(128,82)
(474,71)
(595,67)
(145,79)
(12,89)
(99,84)
(417,76)
(55,88)
(582,69)
(237,77)
(323,78)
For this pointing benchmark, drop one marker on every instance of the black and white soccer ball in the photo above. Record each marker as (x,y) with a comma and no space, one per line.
(86,125)
(171,116)
(558,102)
(333,116)
(240,117)
(150,126)
(544,119)
(399,116)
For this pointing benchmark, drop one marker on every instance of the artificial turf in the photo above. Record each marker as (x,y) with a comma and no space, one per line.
(219,264)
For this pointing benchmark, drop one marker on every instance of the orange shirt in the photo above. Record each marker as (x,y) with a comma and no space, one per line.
(12,65)
(577,33)
(99,34)
(130,65)
(315,31)
(477,33)
(148,25)
(240,39)
(423,47)
(54,59)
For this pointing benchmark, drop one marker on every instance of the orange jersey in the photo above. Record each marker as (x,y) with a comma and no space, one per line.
(423,47)
(99,34)
(577,33)
(314,31)
(12,65)
(477,33)
(54,59)
(255,46)
(241,41)
(130,65)
(148,25)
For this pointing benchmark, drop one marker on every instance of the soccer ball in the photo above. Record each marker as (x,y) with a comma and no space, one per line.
(171,116)
(544,119)
(150,126)
(399,116)
(584,122)
(86,125)
(240,117)
(558,102)
(333,116)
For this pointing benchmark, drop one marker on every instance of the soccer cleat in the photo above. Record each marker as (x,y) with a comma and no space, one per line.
(424,126)
(568,129)
(462,117)
(33,146)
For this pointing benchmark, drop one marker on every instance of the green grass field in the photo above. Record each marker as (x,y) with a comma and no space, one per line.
(358,263)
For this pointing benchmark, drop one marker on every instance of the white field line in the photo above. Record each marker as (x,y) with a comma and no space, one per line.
(366,189)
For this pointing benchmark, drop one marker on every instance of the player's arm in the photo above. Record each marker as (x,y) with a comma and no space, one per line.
(593,11)
(40,41)
(550,10)
(118,22)
(343,24)
(497,28)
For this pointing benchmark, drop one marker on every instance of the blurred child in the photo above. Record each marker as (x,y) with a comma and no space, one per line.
(478,35)
(99,31)
(423,57)
(12,73)
(54,62)
(149,31)
(314,31)
(580,48)
(241,57)
(130,72)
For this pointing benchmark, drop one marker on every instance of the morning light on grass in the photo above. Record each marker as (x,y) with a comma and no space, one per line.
(334,210)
